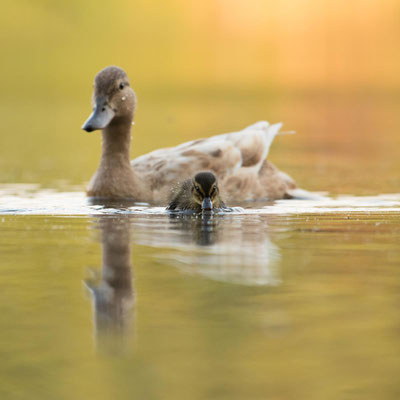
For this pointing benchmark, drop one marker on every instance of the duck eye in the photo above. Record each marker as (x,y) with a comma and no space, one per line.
(121,86)
(197,189)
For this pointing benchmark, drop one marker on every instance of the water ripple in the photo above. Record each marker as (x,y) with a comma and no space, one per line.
(31,200)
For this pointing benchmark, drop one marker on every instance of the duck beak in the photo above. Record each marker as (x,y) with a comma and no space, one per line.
(101,116)
(206,205)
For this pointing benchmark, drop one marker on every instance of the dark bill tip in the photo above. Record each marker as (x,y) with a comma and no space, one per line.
(87,127)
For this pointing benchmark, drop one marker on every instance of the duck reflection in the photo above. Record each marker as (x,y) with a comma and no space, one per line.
(228,248)
(112,290)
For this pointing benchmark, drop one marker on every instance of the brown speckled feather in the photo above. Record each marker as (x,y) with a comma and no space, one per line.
(238,160)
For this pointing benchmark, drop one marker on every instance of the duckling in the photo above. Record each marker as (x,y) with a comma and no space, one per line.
(237,159)
(198,194)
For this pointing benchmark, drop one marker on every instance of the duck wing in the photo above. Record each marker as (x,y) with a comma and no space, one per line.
(227,155)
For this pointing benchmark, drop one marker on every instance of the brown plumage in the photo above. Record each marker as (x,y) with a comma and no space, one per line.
(198,194)
(237,159)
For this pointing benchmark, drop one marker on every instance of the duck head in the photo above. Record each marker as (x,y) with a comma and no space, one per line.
(113,100)
(205,190)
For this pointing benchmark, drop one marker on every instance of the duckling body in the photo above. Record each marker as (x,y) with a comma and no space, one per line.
(237,159)
(198,194)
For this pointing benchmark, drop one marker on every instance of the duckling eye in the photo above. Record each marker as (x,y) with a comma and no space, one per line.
(121,86)
(197,189)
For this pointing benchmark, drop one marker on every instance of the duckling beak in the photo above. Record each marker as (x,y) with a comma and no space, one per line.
(206,205)
(101,116)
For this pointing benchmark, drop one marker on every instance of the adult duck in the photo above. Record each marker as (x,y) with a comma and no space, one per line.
(237,159)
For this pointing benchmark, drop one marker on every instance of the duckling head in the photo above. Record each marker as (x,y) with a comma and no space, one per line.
(113,100)
(205,190)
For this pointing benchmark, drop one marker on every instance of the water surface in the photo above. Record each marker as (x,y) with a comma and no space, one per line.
(283,300)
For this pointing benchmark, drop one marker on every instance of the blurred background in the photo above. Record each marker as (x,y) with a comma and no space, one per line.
(328,326)
(329,70)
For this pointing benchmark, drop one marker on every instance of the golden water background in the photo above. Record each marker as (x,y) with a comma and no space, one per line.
(280,306)
(328,70)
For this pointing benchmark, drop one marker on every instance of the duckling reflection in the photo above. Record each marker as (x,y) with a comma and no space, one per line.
(201,229)
(229,248)
(112,292)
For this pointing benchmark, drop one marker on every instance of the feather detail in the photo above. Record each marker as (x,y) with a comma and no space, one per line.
(238,160)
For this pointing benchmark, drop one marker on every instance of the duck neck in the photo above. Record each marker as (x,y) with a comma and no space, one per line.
(116,144)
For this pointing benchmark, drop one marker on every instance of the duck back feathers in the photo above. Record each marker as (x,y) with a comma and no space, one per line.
(238,160)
